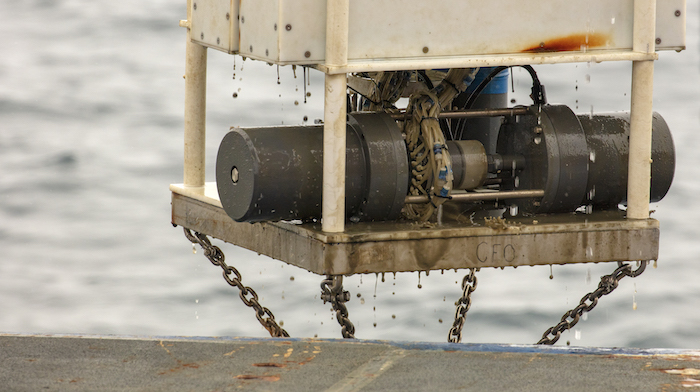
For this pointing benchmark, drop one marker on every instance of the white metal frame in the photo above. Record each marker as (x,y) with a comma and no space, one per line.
(336,68)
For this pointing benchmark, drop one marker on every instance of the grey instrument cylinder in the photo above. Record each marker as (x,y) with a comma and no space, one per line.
(275,173)
(580,160)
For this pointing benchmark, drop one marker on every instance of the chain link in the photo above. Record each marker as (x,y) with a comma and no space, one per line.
(248,295)
(332,291)
(463,304)
(607,284)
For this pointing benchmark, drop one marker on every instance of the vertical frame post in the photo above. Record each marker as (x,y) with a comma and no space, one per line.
(334,128)
(639,177)
(195,108)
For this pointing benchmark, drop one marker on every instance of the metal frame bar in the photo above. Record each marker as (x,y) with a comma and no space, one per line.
(639,178)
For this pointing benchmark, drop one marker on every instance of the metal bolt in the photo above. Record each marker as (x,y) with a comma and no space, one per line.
(288,27)
(658,41)
(234,174)
(677,13)
(228,16)
(425,49)
(307,54)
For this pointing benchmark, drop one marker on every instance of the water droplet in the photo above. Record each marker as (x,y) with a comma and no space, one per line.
(440,321)
(589,252)
(551,273)
(584,316)
(591,193)
(196,301)
(588,276)
(655,264)
(382,277)
(577,334)
(612,21)
(291,278)
(517,180)
(591,156)
(294,70)
(589,209)
(419,285)
(588,78)
(362,301)
(634,297)
(393,316)
(513,210)
(538,140)
(375,325)
(194,250)
(296,103)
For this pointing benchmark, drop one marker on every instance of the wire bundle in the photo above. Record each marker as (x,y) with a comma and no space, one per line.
(429,160)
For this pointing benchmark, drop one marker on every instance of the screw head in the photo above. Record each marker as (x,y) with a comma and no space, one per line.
(425,49)
(288,27)
(658,41)
(234,174)
(307,54)
(677,13)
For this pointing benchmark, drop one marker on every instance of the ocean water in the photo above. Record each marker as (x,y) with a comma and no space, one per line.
(91,102)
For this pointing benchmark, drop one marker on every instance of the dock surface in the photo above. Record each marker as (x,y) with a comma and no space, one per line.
(118,363)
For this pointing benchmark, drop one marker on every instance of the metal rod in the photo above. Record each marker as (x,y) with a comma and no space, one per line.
(195,108)
(639,177)
(479,196)
(334,143)
(472,113)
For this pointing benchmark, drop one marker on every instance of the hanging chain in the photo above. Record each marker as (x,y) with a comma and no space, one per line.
(216,256)
(607,284)
(463,304)
(332,291)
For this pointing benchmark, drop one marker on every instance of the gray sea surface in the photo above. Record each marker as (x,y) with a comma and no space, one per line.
(91,119)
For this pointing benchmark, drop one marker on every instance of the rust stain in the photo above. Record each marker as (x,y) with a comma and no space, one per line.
(255,377)
(571,42)
(269,364)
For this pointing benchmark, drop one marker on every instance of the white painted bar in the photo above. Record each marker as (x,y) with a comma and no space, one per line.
(641,111)
(485,61)
(195,108)
(333,202)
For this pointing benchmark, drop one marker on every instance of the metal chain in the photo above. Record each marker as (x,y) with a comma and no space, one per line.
(248,295)
(463,304)
(332,291)
(607,284)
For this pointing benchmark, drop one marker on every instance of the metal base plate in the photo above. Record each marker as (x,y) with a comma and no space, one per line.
(373,247)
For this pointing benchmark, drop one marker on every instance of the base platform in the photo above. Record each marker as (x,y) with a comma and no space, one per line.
(110,363)
(374,247)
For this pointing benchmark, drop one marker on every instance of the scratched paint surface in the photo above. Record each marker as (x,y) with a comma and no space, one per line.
(91,136)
